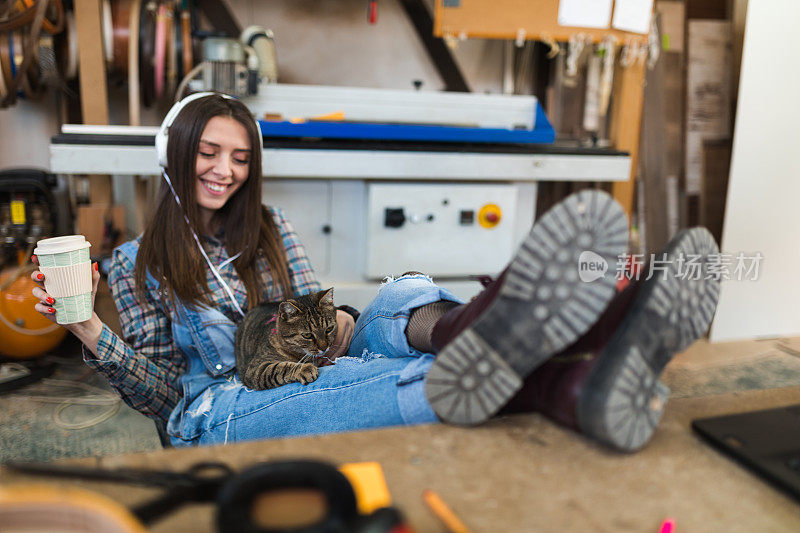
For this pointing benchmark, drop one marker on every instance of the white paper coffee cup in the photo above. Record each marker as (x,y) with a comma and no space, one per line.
(67,270)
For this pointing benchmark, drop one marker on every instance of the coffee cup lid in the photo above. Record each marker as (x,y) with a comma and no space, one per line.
(58,245)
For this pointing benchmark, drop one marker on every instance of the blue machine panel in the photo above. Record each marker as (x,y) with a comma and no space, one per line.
(543,132)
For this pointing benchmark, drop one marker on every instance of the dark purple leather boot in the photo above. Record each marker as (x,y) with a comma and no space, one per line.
(606,385)
(553,290)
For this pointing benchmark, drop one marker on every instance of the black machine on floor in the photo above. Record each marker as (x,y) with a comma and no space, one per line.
(33,205)
(767,442)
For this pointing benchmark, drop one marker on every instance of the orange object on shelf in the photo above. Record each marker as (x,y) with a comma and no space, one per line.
(24,333)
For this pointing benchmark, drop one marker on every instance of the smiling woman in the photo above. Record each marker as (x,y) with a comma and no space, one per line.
(216,176)
(223,164)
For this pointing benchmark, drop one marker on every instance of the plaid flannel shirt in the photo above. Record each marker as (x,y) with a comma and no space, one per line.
(144,365)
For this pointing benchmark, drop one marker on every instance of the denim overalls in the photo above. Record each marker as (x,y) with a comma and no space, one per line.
(379,383)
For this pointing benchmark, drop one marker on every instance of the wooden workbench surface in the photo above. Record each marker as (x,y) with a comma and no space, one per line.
(522,473)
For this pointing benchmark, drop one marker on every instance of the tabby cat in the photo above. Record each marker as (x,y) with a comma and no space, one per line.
(280,343)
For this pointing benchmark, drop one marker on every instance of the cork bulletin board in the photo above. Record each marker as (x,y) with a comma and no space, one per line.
(512,19)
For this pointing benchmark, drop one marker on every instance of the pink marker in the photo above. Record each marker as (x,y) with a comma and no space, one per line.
(667,526)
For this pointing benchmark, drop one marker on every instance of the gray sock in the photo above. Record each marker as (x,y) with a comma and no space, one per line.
(421,322)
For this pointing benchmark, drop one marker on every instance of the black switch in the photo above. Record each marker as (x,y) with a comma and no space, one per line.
(467,217)
(394,217)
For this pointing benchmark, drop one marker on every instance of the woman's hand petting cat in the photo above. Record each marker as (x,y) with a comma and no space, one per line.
(345,327)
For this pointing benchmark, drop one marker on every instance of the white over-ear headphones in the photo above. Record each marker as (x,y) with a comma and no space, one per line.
(163,136)
(161,154)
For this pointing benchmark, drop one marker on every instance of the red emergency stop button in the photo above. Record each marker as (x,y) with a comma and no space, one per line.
(489,216)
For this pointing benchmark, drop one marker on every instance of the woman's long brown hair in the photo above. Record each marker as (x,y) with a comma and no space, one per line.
(167,249)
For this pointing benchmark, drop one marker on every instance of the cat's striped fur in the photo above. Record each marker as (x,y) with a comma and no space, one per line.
(280,343)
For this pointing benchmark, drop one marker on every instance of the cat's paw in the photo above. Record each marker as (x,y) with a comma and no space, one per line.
(252,384)
(307,373)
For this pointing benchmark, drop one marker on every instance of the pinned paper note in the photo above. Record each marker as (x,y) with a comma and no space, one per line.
(633,15)
(584,13)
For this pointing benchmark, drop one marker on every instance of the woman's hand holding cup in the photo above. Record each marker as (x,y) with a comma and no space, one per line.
(68,298)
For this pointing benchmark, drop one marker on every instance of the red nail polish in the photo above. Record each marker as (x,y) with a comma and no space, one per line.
(40,276)
(32,258)
(51,310)
(50,300)
(95,267)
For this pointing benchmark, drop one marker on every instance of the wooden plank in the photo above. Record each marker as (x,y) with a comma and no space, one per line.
(716,168)
(708,88)
(91,221)
(626,125)
(653,160)
(140,190)
(100,190)
(94,91)
(505,19)
(661,152)
(519,473)
(91,66)
(673,18)
(738,19)
(707,9)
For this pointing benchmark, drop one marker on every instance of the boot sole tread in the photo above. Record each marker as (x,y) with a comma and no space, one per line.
(623,399)
(541,308)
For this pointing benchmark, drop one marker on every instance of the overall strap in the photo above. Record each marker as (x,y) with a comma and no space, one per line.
(130,249)
(213,337)
(211,332)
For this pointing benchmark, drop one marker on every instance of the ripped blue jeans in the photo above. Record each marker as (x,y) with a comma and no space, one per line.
(379,383)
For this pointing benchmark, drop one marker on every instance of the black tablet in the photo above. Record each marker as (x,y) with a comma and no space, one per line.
(767,442)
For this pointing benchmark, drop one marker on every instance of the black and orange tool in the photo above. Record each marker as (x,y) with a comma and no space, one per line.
(259,499)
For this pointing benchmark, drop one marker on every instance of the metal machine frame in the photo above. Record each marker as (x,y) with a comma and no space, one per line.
(322,184)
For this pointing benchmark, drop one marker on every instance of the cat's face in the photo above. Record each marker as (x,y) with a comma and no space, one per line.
(306,326)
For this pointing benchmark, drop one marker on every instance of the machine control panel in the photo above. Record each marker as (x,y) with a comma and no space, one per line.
(449,230)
